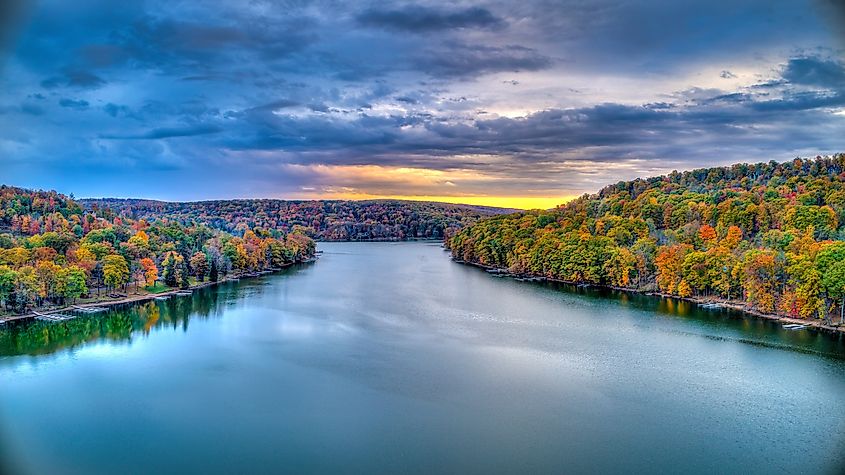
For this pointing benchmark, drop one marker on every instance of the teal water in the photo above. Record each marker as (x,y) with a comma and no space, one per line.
(388,357)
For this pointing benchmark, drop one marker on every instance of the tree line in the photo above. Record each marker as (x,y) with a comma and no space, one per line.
(52,251)
(769,234)
(325,220)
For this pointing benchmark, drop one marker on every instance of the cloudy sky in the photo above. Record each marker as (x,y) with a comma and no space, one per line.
(499,102)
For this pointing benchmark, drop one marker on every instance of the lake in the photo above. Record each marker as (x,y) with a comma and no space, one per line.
(389,357)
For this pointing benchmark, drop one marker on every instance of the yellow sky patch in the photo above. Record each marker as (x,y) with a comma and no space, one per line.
(366,182)
(515,202)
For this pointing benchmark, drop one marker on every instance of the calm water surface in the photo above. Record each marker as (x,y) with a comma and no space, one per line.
(386,357)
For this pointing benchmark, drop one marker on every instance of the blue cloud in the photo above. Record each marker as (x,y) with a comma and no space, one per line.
(74,78)
(165,133)
(471,61)
(543,95)
(423,19)
(814,71)
(114,110)
(74,104)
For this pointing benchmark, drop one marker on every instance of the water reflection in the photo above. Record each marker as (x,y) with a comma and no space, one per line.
(389,358)
(123,322)
(742,328)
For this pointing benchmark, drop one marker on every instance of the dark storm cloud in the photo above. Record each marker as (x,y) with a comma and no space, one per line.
(422,19)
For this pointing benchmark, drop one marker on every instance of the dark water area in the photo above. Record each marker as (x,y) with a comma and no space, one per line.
(388,357)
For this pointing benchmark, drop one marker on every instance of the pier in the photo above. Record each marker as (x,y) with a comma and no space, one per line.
(89,309)
(53,317)
(14,318)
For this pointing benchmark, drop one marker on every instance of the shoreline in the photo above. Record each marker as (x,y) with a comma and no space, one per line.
(147,297)
(815,324)
(414,239)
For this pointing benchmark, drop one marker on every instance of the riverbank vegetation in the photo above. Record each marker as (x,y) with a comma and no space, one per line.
(771,235)
(325,220)
(53,252)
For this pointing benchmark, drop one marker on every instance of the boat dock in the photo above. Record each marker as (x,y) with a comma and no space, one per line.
(53,317)
(89,309)
(15,318)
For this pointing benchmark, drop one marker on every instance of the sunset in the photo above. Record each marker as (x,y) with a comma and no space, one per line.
(513,104)
(422,237)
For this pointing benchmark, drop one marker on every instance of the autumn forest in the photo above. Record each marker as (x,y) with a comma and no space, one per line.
(53,252)
(324,220)
(768,235)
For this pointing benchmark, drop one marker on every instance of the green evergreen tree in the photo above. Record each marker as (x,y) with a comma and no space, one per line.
(212,274)
(170,273)
(183,273)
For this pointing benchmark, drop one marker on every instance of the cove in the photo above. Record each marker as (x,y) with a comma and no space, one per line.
(389,357)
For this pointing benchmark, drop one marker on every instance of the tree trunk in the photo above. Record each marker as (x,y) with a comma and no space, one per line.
(823,312)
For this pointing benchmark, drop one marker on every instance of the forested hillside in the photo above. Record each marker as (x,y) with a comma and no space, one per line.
(52,252)
(327,220)
(769,234)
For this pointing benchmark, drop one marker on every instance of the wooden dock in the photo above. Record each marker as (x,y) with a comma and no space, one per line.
(14,318)
(89,309)
(53,317)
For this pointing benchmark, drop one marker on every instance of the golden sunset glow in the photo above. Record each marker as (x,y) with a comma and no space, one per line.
(367,182)
(515,202)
